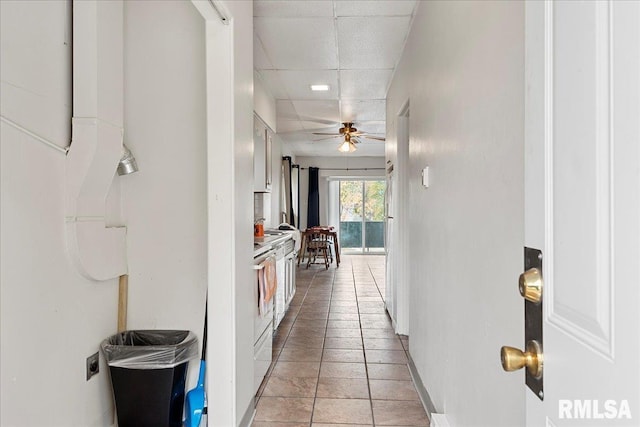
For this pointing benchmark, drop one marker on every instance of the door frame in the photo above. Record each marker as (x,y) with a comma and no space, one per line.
(403,287)
(220,77)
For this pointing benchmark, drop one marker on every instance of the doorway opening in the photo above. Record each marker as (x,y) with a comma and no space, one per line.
(397,300)
(362,216)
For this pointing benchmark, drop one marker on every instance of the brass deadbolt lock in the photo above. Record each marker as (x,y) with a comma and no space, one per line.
(530,285)
(513,359)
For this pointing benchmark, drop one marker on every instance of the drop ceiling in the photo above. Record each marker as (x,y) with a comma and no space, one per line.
(353,46)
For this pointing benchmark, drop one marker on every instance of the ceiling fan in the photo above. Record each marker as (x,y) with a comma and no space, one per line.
(351,135)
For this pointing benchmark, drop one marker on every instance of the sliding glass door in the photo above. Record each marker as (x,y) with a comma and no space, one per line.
(362,216)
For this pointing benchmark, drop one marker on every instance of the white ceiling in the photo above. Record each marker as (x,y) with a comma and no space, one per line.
(353,46)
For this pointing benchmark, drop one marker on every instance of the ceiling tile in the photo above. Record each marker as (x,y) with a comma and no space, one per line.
(322,112)
(273,82)
(370,43)
(330,149)
(356,111)
(298,44)
(375,8)
(260,60)
(315,126)
(364,84)
(297,83)
(295,9)
(374,127)
(288,126)
(285,110)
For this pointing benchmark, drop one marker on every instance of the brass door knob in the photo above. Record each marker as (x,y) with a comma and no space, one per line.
(513,359)
(530,285)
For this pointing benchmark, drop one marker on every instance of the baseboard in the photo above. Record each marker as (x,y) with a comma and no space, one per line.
(249,414)
(438,420)
(435,419)
(421,389)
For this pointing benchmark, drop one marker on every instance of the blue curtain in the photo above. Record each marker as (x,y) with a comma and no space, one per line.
(313,211)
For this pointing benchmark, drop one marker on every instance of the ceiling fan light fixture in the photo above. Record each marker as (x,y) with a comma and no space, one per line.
(347,147)
(319,88)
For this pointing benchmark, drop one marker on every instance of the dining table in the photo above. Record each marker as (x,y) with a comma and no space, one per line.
(311,232)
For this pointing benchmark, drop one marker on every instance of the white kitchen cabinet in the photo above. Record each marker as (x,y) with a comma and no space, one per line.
(262,140)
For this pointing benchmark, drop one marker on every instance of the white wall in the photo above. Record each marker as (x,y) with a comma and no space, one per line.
(242,13)
(51,317)
(268,205)
(463,72)
(264,104)
(165,203)
(342,162)
(278,186)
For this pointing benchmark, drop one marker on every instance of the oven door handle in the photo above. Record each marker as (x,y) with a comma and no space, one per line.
(259,267)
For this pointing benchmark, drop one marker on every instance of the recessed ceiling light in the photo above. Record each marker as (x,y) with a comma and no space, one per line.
(319,88)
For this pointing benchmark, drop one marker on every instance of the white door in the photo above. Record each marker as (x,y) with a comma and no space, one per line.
(390,244)
(582,207)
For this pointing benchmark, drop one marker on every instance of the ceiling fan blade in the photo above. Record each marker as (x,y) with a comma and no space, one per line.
(328,137)
(326,133)
(377,138)
(317,120)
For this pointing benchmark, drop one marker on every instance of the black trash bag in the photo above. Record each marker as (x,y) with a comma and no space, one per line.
(148,373)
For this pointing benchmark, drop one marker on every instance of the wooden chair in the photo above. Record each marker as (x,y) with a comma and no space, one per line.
(317,243)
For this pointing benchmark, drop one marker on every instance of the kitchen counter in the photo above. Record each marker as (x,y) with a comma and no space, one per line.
(264,244)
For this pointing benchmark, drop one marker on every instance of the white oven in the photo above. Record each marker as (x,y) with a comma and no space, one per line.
(262,326)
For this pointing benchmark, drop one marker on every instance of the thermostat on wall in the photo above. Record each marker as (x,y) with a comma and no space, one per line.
(425,177)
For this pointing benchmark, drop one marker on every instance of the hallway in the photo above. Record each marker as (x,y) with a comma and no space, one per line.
(337,360)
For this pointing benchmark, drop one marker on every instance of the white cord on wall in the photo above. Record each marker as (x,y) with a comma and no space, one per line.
(46,142)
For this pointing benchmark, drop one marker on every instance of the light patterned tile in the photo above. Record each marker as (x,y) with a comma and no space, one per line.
(388,371)
(290,387)
(346,343)
(348,411)
(339,355)
(341,425)
(392,390)
(284,409)
(296,369)
(385,356)
(344,309)
(351,324)
(343,388)
(343,370)
(306,332)
(399,413)
(379,333)
(314,323)
(343,333)
(295,354)
(311,341)
(278,424)
(383,344)
(313,315)
(343,316)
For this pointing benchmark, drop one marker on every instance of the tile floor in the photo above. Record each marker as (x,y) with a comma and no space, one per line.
(337,361)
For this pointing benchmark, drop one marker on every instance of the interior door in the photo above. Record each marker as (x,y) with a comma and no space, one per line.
(582,209)
(389,244)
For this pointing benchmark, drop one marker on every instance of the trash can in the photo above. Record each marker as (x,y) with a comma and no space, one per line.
(148,373)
